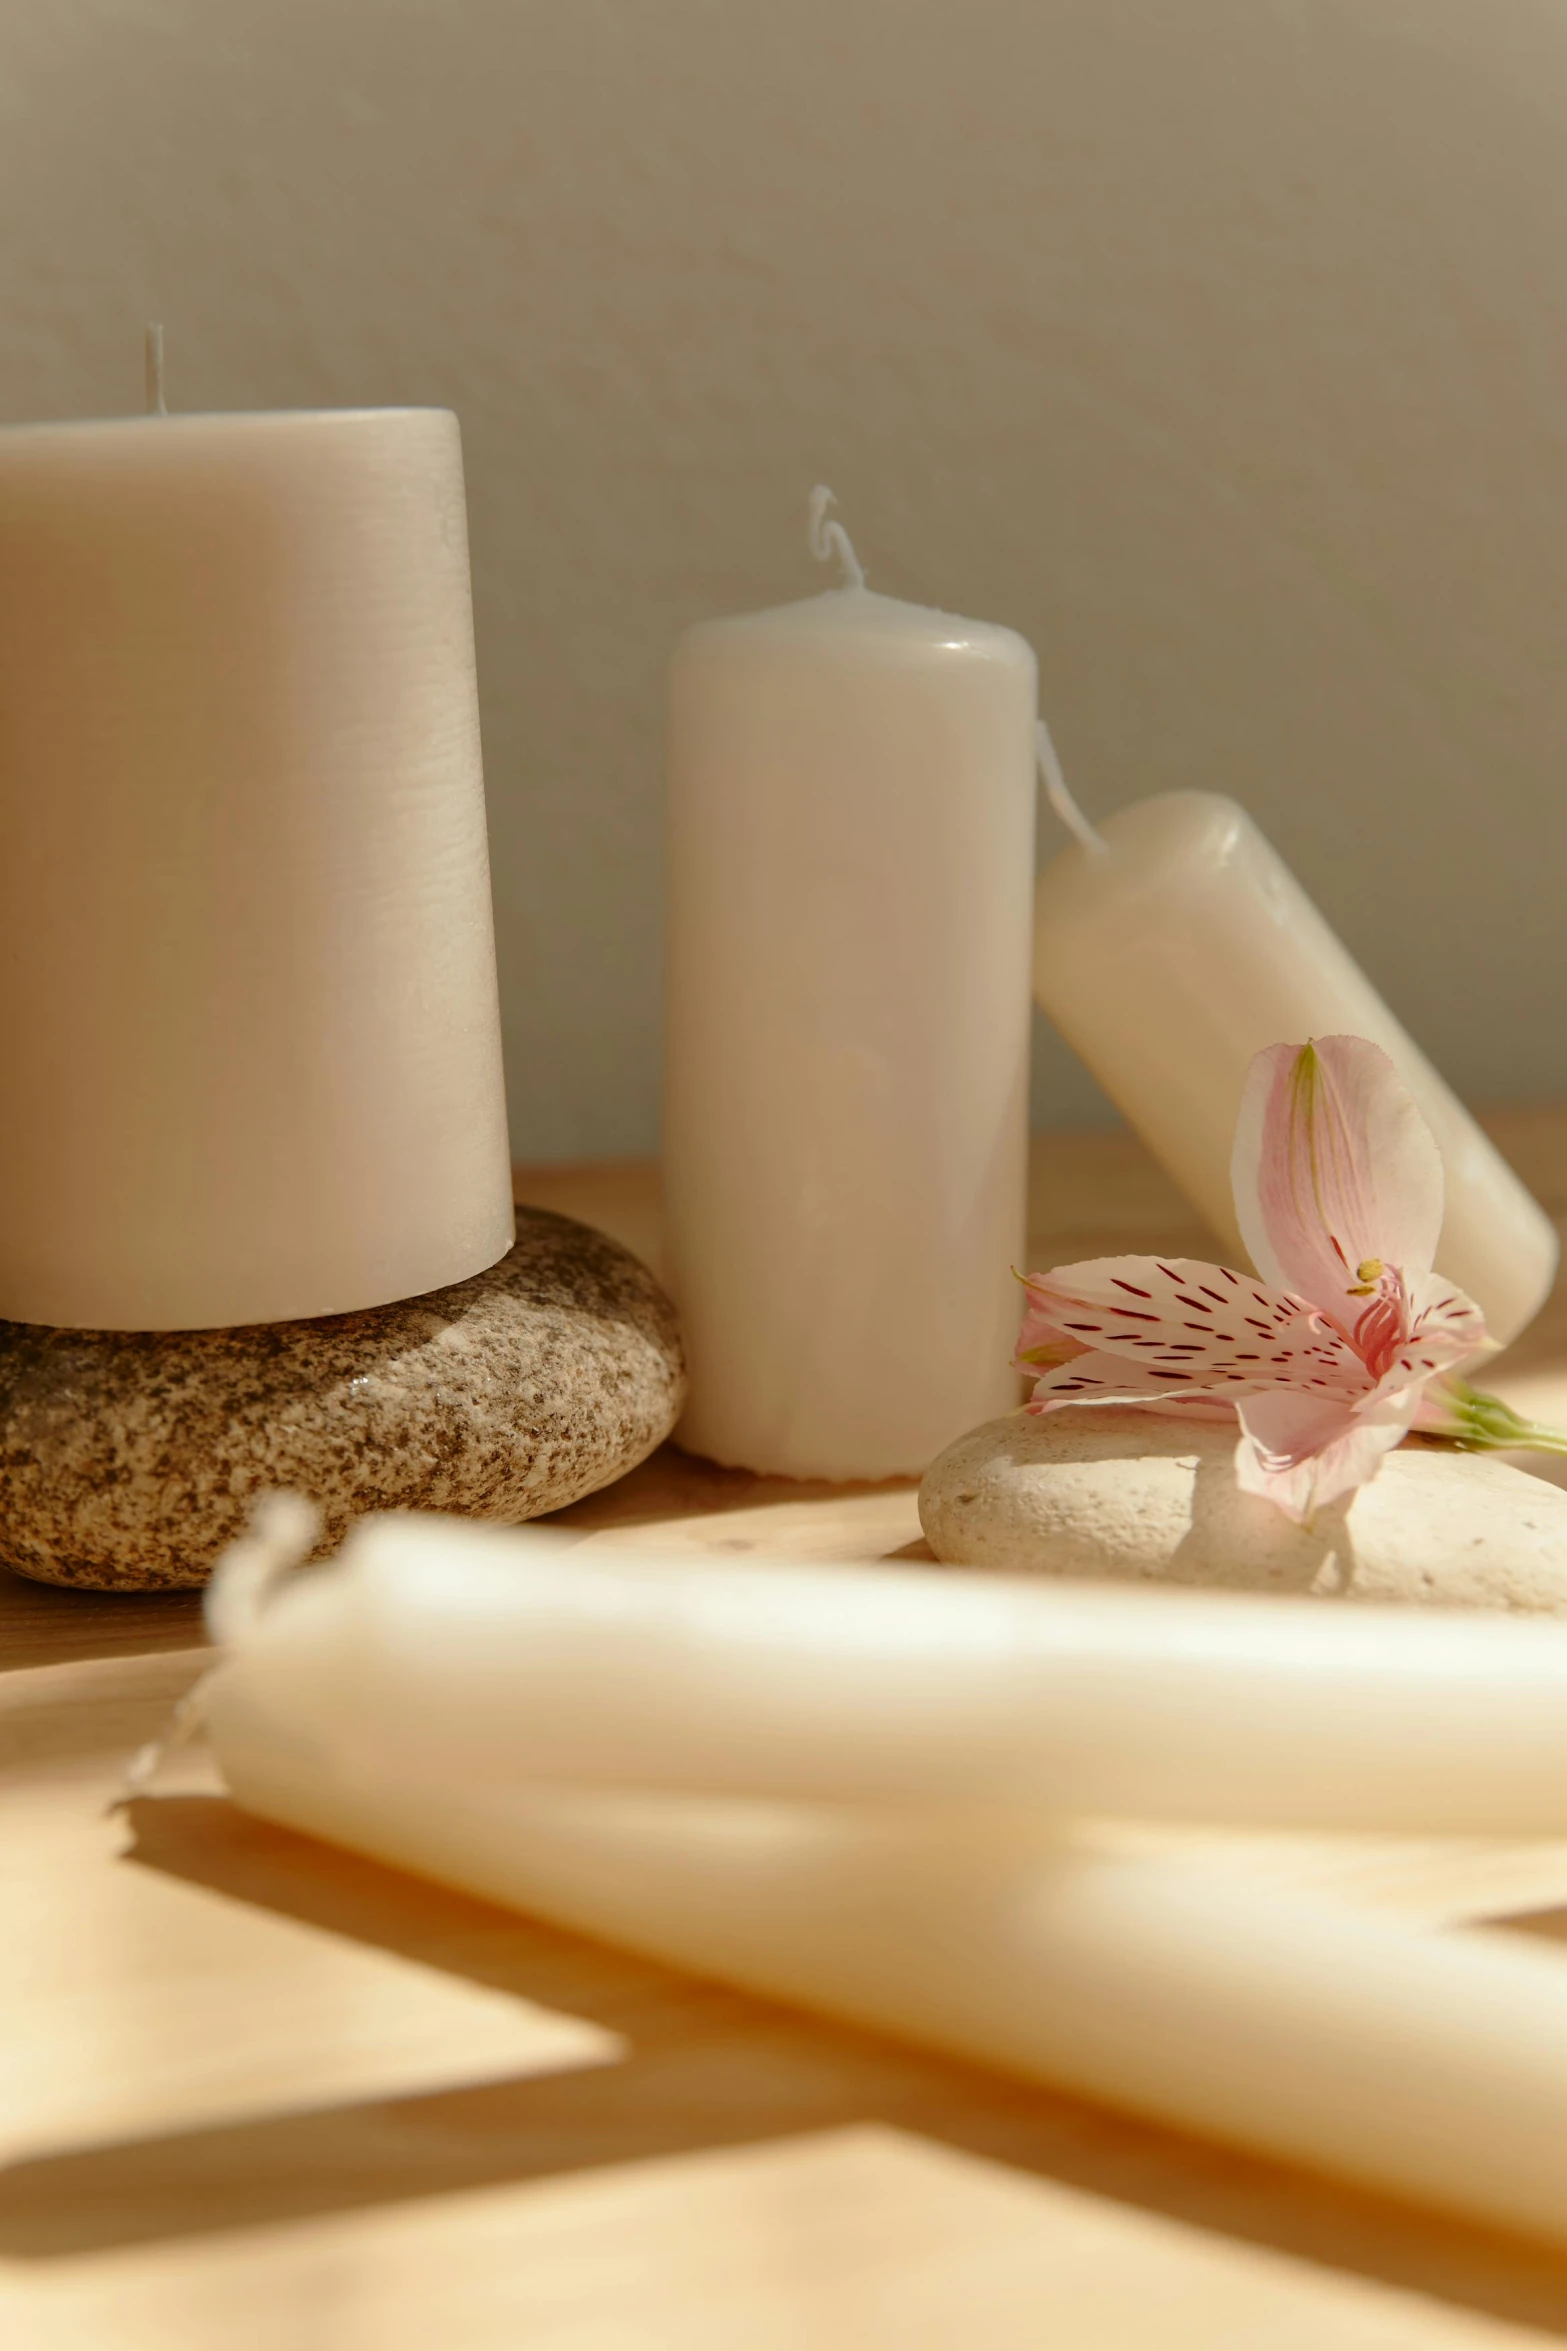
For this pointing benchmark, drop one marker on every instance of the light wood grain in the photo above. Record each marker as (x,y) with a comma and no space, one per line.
(258,2094)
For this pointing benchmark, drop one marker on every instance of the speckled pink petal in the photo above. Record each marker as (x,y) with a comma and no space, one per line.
(1195,1326)
(1041,1341)
(1111,1379)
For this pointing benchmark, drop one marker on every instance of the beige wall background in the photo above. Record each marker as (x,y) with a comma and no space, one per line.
(1220,346)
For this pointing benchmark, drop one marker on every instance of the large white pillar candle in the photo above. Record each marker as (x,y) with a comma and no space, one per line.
(249,1046)
(851,813)
(1177,949)
(1434,2065)
(515,1656)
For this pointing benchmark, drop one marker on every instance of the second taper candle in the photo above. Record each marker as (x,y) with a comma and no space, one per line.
(850,856)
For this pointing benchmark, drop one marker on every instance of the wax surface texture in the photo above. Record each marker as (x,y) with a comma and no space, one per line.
(1431,2064)
(249,1041)
(1172,959)
(518,1658)
(851,809)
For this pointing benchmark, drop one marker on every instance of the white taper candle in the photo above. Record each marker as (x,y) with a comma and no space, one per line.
(515,1656)
(1433,2065)
(1177,948)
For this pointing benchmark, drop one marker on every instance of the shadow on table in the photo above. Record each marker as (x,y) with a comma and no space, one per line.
(51,1624)
(707,2069)
(675,1485)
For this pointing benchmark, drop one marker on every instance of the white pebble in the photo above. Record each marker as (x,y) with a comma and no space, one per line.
(1101,1492)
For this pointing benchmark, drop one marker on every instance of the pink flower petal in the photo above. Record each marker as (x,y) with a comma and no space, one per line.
(1334,1169)
(1207,1407)
(1041,1339)
(1443,1329)
(1301,1454)
(1193,1325)
(1108,1379)
(1445,1320)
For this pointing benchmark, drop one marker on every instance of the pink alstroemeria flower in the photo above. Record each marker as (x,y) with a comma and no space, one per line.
(1326,1357)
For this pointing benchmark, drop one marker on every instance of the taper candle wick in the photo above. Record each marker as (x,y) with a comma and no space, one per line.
(154,366)
(829,539)
(283,1531)
(1060,798)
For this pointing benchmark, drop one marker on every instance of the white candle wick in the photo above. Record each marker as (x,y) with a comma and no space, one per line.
(829,539)
(156,405)
(188,1716)
(1060,798)
(284,1529)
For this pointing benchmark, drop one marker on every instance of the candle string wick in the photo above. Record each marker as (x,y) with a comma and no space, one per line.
(829,540)
(144,1766)
(284,1529)
(1060,797)
(156,405)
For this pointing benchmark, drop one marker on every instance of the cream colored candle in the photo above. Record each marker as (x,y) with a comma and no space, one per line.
(249,1044)
(1434,2065)
(1176,950)
(851,810)
(516,1657)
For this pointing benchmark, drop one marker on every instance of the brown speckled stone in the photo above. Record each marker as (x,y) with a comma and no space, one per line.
(128,1459)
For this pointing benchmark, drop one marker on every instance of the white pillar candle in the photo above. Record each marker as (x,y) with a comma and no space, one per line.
(1174,952)
(518,1657)
(1433,2065)
(249,1044)
(851,813)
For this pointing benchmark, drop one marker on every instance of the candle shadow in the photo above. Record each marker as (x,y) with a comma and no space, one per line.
(705,2069)
(672,1484)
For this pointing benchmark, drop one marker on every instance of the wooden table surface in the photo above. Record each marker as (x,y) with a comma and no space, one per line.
(257,2094)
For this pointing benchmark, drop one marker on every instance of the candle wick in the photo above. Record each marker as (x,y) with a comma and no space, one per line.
(283,1531)
(144,1766)
(154,372)
(830,539)
(1060,798)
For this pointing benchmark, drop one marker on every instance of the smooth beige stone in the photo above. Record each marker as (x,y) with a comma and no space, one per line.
(1105,1493)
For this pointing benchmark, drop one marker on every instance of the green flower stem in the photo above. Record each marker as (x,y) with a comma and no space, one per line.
(1475,1422)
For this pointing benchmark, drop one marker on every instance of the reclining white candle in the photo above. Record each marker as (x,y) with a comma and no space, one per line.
(1431,2064)
(249,1040)
(1173,947)
(514,1656)
(850,858)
